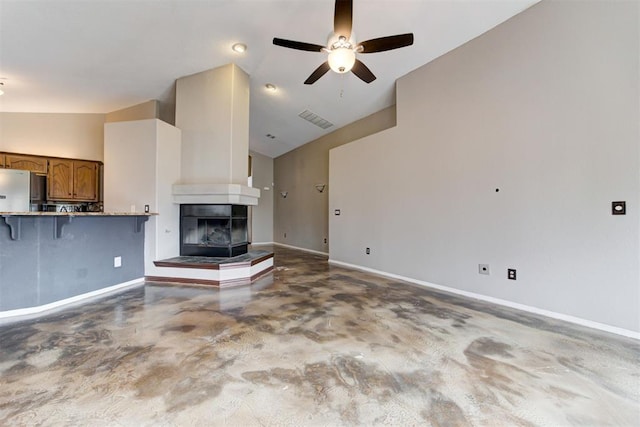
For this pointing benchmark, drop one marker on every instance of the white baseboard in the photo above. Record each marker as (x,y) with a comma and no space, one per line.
(301,249)
(498,301)
(290,247)
(40,309)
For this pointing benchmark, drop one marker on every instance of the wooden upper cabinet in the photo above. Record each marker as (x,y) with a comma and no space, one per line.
(73,180)
(24,162)
(85,180)
(60,179)
(67,179)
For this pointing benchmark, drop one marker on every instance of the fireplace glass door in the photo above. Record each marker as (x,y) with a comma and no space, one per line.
(213,230)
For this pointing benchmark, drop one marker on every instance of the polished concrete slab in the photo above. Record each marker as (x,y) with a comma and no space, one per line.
(311,344)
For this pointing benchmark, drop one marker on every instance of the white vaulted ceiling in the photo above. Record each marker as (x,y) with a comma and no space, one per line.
(98,56)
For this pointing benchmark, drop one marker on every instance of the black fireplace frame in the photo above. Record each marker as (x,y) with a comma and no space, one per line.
(224,217)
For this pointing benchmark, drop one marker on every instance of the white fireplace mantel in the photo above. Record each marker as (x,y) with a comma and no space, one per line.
(234,194)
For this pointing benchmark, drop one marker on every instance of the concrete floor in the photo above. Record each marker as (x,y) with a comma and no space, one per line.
(311,345)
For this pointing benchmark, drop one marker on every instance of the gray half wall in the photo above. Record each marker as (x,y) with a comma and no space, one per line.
(39,269)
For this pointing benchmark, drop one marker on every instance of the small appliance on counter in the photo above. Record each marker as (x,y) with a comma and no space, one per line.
(73,207)
(68,208)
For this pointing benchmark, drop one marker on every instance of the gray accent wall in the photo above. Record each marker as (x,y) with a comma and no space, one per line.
(39,269)
(301,219)
(509,151)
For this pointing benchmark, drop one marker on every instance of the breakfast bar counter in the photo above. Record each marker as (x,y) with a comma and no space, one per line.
(14,219)
(50,258)
(5,214)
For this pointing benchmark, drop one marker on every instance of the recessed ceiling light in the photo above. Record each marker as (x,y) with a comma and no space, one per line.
(270,87)
(239,47)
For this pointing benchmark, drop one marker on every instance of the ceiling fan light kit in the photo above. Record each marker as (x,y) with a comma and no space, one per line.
(342,58)
(342,50)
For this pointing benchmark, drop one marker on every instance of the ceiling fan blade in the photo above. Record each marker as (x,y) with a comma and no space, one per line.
(387,43)
(363,72)
(343,18)
(319,72)
(291,44)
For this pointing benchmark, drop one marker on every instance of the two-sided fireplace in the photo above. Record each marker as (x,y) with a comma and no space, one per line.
(213,230)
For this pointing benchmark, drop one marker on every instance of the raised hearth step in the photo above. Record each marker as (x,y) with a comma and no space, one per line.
(214,271)
(215,263)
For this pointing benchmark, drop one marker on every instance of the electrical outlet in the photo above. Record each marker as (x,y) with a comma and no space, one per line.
(146,208)
(511,273)
(325,240)
(484,269)
(117,261)
(336,212)
(368,251)
(285,235)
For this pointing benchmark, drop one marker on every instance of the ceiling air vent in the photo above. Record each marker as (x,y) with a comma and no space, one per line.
(315,119)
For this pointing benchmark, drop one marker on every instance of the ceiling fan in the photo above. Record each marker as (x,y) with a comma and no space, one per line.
(342,49)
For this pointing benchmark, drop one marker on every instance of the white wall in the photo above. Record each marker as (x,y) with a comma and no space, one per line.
(77,136)
(142,162)
(544,108)
(212,110)
(301,220)
(262,213)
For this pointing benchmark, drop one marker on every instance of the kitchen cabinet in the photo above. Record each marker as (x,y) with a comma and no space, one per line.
(60,180)
(73,180)
(85,180)
(25,162)
(1,160)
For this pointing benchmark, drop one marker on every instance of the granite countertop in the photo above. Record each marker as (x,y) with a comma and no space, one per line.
(77,213)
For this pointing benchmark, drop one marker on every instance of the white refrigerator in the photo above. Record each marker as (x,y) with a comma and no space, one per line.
(15,187)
